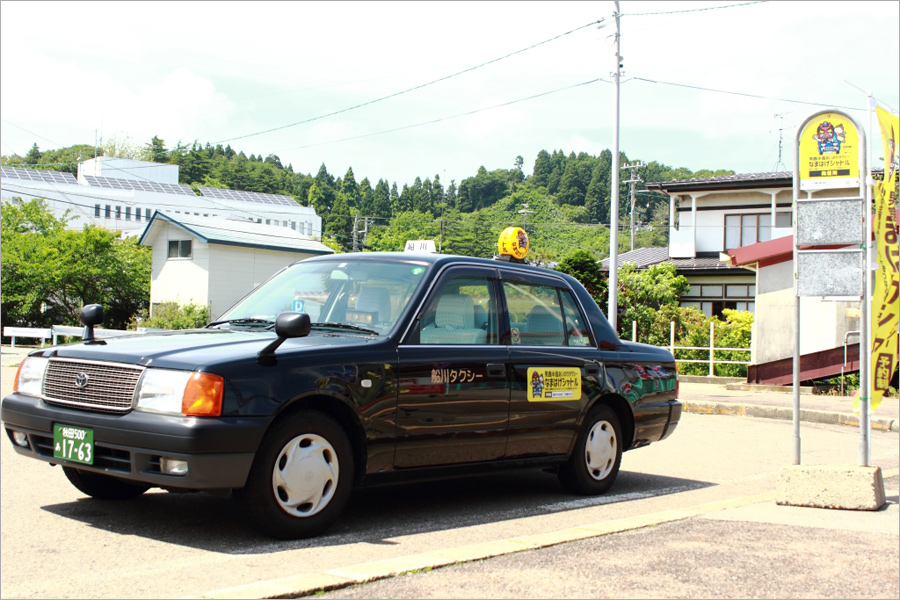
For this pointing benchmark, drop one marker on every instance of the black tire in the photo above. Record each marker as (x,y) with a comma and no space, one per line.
(301,478)
(104,487)
(594,464)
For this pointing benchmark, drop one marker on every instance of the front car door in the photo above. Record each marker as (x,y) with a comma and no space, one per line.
(453,400)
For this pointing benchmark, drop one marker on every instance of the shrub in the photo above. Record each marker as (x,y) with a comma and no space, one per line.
(171,315)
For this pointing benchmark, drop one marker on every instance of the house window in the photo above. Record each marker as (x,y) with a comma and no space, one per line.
(743,230)
(127,213)
(179,248)
(137,214)
(118,212)
(107,211)
(712,299)
(96,210)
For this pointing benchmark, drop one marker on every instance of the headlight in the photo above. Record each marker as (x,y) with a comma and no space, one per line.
(180,393)
(30,376)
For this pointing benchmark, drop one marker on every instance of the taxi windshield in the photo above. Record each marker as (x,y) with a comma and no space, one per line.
(365,296)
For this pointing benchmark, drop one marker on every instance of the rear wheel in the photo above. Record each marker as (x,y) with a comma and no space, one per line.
(594,464)
(104,487)
(301,478)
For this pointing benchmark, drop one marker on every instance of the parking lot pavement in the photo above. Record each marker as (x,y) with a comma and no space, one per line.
(742,547)
(759,550)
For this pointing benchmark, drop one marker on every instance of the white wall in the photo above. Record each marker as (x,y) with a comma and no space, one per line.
(235,271)
(123,168)
(181,280)
(822,323)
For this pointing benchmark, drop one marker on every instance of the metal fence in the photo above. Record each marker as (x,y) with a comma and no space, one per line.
(712,349)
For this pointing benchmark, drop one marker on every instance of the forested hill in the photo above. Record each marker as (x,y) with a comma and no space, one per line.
(565,195)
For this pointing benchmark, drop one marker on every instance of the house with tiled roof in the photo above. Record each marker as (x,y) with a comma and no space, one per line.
(731,237)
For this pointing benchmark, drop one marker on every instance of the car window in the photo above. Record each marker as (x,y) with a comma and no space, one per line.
(535,314)
(576,327)
(462,311)
(350,293)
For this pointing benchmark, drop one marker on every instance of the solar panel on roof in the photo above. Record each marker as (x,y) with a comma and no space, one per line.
(37,175)
(256,197)
(140,185)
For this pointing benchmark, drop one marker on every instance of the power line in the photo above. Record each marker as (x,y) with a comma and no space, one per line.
(747,95)
(438,120)
(691,10)
(414,88)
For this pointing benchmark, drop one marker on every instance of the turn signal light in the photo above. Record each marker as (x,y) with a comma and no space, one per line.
(203,395)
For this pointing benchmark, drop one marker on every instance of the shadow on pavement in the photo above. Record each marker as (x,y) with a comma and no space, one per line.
(373,516)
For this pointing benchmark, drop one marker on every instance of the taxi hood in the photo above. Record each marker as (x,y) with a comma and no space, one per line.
(200,348)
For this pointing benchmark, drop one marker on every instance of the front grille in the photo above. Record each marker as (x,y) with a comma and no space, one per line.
(103,387)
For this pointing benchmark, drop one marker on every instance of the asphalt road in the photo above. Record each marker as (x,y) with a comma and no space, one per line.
(691,516)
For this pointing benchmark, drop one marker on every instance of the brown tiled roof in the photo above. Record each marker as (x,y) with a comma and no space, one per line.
(644,257)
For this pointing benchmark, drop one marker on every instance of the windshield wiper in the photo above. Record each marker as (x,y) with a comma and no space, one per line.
(336,325)
(245,321)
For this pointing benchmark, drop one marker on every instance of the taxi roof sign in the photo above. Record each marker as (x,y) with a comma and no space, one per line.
(513,242)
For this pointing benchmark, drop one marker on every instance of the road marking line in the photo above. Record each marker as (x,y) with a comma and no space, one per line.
(309,583)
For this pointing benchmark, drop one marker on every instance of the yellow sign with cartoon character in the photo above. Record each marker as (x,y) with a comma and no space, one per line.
(549,384)
(829,152)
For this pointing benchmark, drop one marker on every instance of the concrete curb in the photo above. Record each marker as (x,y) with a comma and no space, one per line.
(787,413)
(309,583)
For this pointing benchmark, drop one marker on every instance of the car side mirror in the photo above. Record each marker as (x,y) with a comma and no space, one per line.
(287,325)
(91,315)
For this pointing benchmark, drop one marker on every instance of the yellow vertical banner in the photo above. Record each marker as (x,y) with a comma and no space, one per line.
(886,291)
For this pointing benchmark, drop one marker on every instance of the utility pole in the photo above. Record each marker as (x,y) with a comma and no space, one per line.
(632,179)
(612,307)
(525,212)
(355,231)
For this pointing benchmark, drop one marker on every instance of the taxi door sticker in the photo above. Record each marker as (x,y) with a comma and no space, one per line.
(549,384)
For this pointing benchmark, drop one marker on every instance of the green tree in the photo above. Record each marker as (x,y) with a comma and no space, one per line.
(155,151)
(34,156)
(338,223)
(642,292)
(50,273)
(584,267)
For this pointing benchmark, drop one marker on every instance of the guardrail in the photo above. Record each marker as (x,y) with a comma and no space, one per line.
(712,348)
(28,332)
(56,331)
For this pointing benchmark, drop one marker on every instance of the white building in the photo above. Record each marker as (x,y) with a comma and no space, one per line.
(215,261)
(122,195)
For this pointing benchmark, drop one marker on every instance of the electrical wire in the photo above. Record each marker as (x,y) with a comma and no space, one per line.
(690,10)
(440,119)
(412,89)
(747,95)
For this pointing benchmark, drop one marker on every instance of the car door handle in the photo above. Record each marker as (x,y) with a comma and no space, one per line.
(592,369)
(496,370)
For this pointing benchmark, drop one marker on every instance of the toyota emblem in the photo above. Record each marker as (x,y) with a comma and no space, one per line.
(81,380)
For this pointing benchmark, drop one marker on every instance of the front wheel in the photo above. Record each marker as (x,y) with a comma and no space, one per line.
(301,478)
(594,464)
(104,487)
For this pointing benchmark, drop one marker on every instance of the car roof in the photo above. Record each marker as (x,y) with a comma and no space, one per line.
(434,259)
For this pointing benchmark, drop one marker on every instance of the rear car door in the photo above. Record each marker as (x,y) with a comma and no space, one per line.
(555,364)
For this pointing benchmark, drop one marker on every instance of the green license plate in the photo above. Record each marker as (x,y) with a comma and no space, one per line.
(73,443)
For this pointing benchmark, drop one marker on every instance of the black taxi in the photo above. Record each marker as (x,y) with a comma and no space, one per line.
(345,371)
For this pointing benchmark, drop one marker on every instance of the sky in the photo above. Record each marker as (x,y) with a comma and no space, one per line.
(399,90)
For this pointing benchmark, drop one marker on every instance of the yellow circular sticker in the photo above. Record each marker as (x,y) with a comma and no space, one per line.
(513,242)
